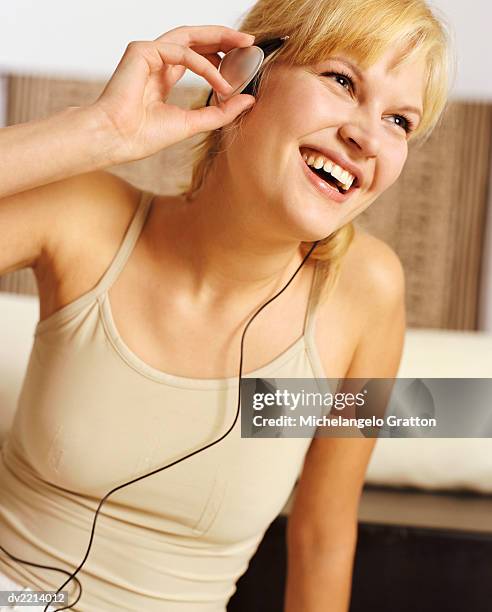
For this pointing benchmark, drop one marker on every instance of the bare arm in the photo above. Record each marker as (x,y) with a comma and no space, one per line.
(322,527)
(74,141)
(130,120)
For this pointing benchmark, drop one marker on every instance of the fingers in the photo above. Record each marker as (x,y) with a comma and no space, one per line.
(208,39)
(194,47)
(175,54)
(213,117)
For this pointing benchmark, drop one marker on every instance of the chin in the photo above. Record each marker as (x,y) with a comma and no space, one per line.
(309,219)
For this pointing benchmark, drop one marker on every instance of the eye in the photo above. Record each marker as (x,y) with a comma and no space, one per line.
(407,124)
(342,78)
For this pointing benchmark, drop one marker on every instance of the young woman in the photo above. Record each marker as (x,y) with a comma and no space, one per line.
(144,299)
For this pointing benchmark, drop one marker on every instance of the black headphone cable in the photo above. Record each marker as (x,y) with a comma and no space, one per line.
(103,499)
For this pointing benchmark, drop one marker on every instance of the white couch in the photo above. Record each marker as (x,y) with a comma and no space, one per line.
(448,463)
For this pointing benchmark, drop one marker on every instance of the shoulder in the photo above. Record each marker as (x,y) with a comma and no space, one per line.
(86,210)
(89,214)
(366,312)
(381,291)
(372,278)
(374,267)
(90,205)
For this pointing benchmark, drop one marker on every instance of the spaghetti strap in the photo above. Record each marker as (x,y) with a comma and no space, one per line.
(116,265)
(129,240)
(318,282)
(313,301)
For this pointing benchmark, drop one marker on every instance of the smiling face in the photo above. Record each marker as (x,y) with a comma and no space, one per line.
(357,116)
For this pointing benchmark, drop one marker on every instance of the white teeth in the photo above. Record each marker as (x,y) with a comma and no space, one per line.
(320,161)
(328,167)
(342,175)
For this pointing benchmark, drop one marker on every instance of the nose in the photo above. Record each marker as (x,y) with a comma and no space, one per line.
(361,135)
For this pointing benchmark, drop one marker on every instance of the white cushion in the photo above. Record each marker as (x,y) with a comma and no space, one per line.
(18,317)
(439,463)
(442,353)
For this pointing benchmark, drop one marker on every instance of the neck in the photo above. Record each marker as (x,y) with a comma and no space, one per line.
(227,246)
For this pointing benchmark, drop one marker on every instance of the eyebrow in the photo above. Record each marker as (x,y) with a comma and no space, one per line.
(410,109)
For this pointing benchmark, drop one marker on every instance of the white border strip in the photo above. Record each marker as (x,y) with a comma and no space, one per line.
(485,302)
(3,101)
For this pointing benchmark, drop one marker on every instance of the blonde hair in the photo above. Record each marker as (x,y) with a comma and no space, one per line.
(365,28)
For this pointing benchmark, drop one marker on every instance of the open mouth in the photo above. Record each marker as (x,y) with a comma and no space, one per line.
(328,171)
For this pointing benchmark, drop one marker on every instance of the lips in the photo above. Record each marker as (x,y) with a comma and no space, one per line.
(339,160)
(322,187)
(328,171)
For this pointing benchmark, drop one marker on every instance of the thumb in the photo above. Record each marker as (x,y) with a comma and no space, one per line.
(214,117)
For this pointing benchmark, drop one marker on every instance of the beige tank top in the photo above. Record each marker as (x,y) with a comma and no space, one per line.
(93,415)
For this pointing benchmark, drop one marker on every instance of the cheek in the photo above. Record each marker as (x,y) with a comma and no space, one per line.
(250,155)
(292,108)
(391,168)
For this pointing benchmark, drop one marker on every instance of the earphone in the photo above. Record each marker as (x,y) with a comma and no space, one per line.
(240,68)
(74,573)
